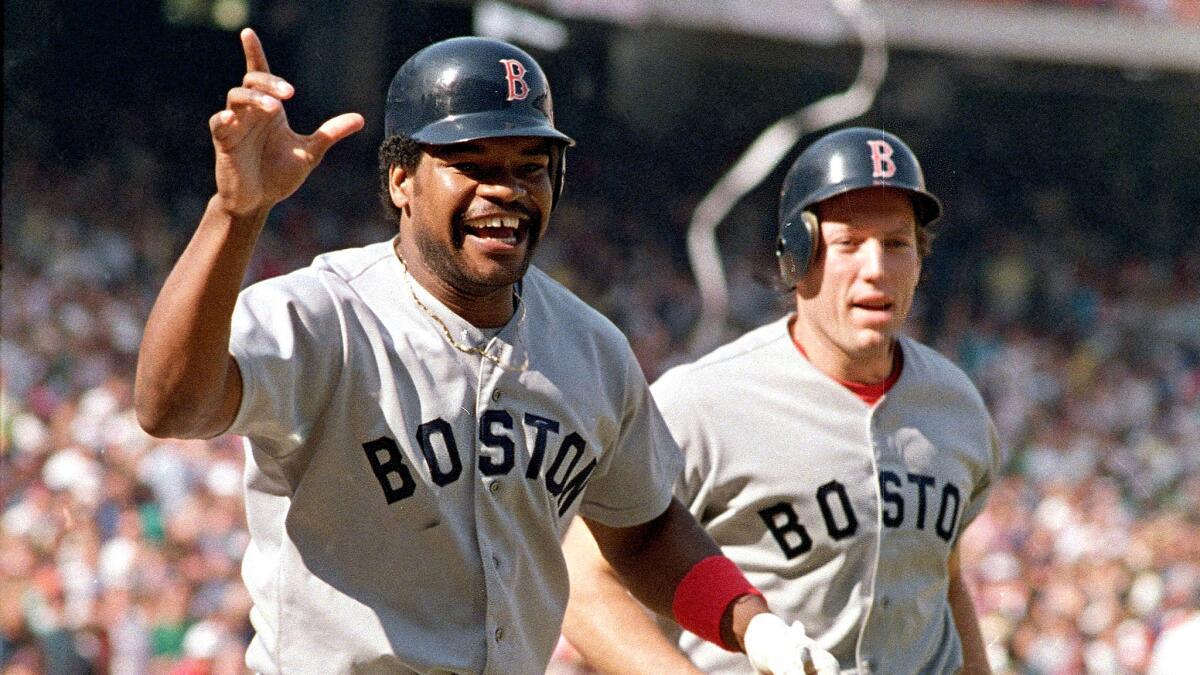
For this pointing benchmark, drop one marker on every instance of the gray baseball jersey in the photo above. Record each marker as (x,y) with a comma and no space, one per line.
(406,500)
(844,514)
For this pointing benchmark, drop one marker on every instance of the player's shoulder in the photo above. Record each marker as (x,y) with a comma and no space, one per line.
(728,364)
(316,289)
(935,368)
(349,264)
(557,305)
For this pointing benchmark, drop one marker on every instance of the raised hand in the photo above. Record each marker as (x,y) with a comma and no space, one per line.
(260,160)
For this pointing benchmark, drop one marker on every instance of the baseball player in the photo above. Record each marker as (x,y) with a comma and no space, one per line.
(835,460)
(424,416)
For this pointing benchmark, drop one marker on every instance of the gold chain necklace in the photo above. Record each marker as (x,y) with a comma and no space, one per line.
(466,349)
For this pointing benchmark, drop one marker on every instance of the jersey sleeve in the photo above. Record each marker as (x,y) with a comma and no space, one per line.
(983,487)
(685,418)
(288,345)
(634,482)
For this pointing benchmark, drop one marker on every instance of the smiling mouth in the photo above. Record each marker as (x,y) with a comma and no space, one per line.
(500,229)
(873,306)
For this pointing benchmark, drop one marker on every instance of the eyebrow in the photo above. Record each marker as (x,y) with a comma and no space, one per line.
(902,227)
(899,227)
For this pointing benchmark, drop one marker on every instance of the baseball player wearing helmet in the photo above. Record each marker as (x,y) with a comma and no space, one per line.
(832,458)
(424,416)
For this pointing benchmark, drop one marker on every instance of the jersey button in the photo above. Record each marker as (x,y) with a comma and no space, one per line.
(499,634)
(496,395)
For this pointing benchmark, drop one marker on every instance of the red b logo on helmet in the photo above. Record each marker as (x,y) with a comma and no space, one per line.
(514,73)
(881,159)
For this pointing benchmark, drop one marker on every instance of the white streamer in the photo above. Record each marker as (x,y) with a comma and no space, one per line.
(761,158)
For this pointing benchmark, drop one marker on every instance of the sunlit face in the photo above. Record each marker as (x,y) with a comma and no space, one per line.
(860,289)
(475,210)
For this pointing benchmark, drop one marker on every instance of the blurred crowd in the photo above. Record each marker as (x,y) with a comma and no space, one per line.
(120,553)
(1090,547)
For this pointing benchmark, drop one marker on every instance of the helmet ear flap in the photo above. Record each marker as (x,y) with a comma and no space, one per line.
(558,170)
(796,247)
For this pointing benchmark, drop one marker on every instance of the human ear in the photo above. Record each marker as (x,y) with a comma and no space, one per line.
(399,186)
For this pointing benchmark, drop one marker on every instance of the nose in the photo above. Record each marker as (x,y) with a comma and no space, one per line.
(871,254)
(502,185)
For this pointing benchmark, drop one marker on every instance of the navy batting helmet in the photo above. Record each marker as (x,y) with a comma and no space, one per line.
(468,88)
(845,160)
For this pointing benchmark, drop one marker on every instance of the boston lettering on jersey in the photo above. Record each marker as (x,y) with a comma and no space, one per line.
(841,522)
(496,458)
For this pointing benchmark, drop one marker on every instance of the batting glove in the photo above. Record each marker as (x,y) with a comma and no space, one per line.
(777,648)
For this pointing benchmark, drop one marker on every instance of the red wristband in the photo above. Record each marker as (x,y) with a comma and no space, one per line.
(704,594)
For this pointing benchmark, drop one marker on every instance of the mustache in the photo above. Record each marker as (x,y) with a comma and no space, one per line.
(524,212)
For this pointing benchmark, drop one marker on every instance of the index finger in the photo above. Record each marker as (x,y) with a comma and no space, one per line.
(256,58)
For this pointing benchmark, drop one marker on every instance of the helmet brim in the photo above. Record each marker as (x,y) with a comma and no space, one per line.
(927,208)
(491,124)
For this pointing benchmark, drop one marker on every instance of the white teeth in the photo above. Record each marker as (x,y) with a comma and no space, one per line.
(510,222)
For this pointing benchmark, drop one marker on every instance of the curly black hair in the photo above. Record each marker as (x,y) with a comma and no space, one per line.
(395,149)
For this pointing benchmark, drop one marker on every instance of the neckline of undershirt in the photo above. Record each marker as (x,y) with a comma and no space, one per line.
(869,392)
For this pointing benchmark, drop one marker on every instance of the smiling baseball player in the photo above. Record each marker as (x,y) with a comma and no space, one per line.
(424,416)
(833,459)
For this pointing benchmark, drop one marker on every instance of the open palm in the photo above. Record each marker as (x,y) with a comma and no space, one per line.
(260,159)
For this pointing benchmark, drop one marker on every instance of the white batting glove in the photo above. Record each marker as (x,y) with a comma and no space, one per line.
(777,648)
